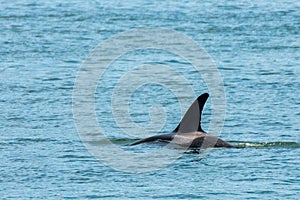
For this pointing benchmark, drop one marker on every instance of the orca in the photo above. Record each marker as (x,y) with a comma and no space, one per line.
(189,133)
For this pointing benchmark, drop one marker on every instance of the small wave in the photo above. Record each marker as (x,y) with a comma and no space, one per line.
(242,144)
(119,141)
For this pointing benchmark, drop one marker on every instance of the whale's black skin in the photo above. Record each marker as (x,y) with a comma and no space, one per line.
(189,133)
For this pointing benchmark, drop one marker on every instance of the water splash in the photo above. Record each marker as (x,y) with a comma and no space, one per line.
(244,144)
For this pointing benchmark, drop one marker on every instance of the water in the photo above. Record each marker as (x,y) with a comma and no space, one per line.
(256,49)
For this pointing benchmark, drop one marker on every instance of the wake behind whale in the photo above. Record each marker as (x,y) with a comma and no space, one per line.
(189,133)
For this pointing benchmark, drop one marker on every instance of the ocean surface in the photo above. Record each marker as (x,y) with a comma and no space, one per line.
(255,48)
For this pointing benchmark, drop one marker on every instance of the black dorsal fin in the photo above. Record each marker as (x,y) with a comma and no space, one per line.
(191,120)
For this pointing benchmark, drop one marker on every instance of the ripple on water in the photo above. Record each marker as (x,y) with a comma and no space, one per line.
(255,46)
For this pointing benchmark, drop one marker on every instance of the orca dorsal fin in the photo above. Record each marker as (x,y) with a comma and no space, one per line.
(191,120)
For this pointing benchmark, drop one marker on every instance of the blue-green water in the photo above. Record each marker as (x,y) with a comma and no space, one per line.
(255,47)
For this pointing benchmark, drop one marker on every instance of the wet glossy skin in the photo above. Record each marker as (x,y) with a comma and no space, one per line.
(188,140)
